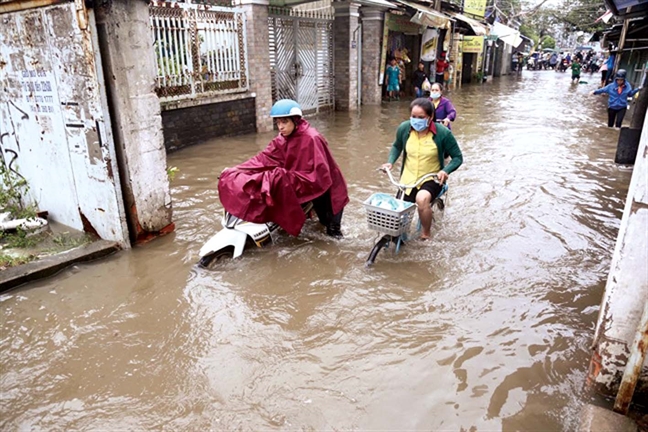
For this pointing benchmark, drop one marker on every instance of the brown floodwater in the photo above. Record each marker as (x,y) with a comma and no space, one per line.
(486,327)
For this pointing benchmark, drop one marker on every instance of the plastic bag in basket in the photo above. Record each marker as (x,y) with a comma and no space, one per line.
(388,202)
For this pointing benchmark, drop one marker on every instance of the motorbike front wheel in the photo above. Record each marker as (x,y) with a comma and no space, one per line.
(211,261)
(382,243)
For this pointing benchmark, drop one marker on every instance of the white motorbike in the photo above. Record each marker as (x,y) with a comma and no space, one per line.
(236,236)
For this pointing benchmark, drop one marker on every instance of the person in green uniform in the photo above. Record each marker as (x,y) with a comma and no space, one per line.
(576,70)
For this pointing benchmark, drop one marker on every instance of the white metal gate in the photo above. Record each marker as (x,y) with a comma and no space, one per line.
(301,57)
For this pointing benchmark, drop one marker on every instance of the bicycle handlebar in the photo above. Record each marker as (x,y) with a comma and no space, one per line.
(408,186)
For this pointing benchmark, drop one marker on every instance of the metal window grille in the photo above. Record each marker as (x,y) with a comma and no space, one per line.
(199,49)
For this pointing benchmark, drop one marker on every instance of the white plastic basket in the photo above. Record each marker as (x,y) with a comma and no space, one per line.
(390,222)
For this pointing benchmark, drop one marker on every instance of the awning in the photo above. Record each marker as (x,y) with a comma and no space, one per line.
(506,34)
(478,28)
(428,17)
(525,42)
(379,3)
(605,17)
(596,36)
(628,8)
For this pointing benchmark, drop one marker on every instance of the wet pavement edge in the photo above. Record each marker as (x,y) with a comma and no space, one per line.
(49,266)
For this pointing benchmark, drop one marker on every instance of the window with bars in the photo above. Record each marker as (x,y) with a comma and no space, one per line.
(199,49)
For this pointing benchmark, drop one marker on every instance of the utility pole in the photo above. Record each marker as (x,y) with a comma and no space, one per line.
(622,38)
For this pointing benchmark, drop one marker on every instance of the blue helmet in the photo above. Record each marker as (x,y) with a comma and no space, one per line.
(285,108)
(621,74)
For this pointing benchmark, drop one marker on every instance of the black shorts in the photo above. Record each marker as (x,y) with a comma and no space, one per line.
(431,186)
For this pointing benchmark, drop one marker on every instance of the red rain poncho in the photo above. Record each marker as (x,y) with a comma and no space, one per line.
(291,171)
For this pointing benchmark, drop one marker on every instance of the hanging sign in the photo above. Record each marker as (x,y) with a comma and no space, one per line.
(473,44)
(429,45)
(429,20)
(475,7)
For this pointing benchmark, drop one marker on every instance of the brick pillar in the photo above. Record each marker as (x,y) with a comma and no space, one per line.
(372,30)
(346,56)
(256,12)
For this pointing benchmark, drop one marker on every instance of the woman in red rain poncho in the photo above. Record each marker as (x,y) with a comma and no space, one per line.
(295,168)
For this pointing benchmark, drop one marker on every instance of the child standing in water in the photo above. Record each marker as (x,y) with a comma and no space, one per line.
(576,70)
(393,80)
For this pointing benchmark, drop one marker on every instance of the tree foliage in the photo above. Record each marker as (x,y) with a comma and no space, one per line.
(540,19)
(548,42)
(529,32)
(580,15)
(543,22)
(519,10)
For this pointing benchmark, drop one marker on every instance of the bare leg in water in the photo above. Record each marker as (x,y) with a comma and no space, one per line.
(423,200)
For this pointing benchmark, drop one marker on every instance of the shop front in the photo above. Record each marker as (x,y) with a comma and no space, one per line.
(472,49)
(412,35)
(401,41)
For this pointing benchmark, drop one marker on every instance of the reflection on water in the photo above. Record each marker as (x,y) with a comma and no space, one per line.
(486,327)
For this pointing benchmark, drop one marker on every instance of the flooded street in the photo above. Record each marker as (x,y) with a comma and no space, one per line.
(487,327)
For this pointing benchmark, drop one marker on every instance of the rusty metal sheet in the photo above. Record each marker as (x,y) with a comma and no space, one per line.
(54,122)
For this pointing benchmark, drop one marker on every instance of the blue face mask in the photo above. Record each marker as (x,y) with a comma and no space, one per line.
(418,124)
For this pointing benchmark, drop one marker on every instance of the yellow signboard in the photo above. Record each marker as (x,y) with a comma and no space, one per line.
(473,44)
(475,7)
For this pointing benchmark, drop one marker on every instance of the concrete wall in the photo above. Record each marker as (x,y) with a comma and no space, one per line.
(127,51)
(626,292)
(498,62)
(372,30)
(507,60)
(55,130)
(192,125)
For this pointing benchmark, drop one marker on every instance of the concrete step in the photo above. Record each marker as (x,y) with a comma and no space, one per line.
(596,419)
(48,266)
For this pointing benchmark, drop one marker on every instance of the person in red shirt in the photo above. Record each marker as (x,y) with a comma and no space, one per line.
(441,66)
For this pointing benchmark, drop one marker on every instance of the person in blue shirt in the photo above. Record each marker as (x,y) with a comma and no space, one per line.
(619,91)
(610,67)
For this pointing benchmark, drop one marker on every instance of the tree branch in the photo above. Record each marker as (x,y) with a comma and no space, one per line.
(531,11)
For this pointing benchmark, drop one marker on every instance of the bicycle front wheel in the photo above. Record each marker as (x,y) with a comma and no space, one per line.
(380,244)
